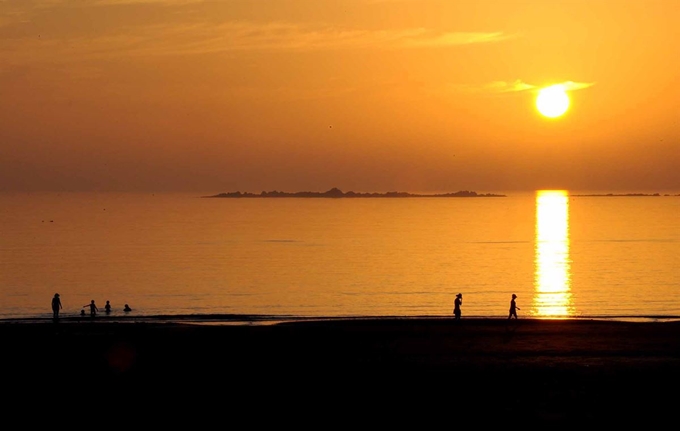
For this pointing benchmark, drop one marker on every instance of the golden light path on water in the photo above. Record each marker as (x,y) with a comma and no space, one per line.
(552,279)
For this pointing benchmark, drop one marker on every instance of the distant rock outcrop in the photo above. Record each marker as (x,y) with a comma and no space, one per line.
(337,193)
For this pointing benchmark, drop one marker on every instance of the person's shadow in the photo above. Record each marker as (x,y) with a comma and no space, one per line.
(510,329)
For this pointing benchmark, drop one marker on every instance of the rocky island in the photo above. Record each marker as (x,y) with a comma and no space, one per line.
(337,193)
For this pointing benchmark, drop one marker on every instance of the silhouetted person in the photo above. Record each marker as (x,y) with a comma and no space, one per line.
(456,305)
(107,308)
(82,313)
(513,307)
(93,308)
(127,308)
(56,306)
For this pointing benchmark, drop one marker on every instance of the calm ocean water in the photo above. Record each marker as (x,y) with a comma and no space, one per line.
(176,254)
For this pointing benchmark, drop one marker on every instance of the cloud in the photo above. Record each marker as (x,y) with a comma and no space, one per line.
(507,87)
(55,31)
(130,2)
(518,85)
(571,85)
(236,36)
(89,3)
(277,36)
(423,38)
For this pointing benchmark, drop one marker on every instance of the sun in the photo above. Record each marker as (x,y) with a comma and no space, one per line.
(552,101)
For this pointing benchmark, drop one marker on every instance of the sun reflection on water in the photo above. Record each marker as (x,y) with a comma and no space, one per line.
(552,279)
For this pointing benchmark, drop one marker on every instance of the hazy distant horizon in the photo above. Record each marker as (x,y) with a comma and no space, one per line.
(212,192)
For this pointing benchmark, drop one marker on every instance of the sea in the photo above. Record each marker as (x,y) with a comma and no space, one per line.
(564,254)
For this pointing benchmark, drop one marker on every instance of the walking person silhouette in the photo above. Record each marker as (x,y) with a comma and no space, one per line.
(56,306)
(513,307)
(107,308)
(93,308)
(456,305)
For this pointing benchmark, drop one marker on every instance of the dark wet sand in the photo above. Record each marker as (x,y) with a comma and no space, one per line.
(536,371)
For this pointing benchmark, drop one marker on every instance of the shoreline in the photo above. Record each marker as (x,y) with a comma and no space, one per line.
(250,319)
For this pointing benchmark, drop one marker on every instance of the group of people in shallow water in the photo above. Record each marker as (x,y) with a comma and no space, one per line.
(56,307)
(458,303)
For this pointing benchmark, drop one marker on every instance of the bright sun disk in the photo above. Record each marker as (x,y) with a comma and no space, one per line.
(552,101)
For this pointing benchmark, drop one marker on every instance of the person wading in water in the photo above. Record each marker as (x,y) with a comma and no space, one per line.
(93,308)
(56,306)
(513,307)
(456,305)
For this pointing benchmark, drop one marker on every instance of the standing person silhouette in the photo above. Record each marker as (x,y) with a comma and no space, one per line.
(93,308)
(513,307)
(56,306)
(456,305)
(107,308)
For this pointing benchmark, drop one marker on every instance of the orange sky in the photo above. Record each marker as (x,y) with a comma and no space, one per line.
(363,95)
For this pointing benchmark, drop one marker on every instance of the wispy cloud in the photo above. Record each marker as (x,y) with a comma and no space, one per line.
(129,2)
(203,37)
(507,87)
(571,85)
(424,38)
(235,36)
(496,87)
(89,3)
(54,31)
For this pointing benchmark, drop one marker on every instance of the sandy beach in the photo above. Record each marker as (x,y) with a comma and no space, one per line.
(546,370)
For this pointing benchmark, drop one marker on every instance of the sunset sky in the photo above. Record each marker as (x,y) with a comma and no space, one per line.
(363,95)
